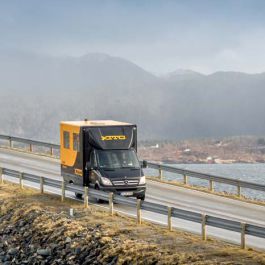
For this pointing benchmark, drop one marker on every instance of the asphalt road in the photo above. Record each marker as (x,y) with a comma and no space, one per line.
(160,193)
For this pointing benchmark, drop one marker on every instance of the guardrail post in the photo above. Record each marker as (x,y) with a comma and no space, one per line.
(1,176)
(71,212)
(211,187)
(238,190)
(63,190)
(51,151)
(169,220)
(204,218)
(10,143)
(111,203)
(243,235)
(185,179)
(160,173)
(86,197)
(41,185)
(30,147)
(139,212)
(21,181)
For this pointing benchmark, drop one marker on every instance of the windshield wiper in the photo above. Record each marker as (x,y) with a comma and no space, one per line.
(130,167)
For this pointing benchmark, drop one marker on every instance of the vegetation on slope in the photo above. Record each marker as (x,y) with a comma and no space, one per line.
(37,229)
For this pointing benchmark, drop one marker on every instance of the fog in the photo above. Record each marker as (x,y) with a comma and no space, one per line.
(38,91)
(160,36)
(69,60)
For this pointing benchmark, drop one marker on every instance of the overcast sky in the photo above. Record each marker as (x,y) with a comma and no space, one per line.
(160,36)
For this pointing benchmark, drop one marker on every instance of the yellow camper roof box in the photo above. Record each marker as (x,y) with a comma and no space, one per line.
(95,123)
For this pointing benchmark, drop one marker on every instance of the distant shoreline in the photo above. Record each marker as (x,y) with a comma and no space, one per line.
(230,150)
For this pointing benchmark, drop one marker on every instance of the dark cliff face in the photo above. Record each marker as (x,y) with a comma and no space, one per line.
(37,92)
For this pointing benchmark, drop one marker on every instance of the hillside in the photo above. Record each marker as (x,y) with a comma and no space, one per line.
(38,91)
(36,229)
(243,149)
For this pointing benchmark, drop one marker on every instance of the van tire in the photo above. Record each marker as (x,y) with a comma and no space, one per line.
(142,198)
(78,195)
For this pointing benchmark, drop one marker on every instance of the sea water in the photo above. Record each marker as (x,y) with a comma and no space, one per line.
(247,172)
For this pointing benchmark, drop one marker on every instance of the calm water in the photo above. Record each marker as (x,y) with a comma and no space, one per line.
(248,172)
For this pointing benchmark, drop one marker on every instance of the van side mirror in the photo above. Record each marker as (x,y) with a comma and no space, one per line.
(144,164)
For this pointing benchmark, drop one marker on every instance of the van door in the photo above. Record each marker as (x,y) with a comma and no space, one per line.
(93,175)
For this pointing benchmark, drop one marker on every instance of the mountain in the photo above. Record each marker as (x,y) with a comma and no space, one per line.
(38,91)
(182,74)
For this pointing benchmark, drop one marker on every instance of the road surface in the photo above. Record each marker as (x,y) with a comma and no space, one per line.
(166,194)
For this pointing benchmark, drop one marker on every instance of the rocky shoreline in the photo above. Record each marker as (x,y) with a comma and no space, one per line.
(25,243)
(239,149)
(37,229)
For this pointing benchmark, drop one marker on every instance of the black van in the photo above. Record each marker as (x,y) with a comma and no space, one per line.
(102,155)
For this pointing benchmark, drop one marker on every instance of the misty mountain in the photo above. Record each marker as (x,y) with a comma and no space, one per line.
(38,91)
(182,74)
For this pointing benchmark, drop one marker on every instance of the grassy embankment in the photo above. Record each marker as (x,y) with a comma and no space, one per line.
(37,228)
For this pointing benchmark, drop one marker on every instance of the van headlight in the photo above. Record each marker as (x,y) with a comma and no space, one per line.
(142,180)
(106,181)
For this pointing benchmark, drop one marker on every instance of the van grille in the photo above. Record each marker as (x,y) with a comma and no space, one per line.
(125,182)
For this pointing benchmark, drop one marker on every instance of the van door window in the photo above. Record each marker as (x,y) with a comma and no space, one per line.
(66,140)
(76,142)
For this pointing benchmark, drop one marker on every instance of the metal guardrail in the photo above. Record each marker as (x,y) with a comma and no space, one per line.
(211,178)
(160,167)
(30,143)
(170,212)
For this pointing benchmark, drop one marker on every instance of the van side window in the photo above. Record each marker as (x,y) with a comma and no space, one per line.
(66,140)
(76,142)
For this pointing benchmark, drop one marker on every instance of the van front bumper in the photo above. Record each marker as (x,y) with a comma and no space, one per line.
(129,191)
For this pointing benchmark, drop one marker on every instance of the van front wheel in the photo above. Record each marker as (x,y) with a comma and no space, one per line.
(142,197)
(78,195)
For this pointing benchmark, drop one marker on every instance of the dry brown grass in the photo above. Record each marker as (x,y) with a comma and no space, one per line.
(135,244)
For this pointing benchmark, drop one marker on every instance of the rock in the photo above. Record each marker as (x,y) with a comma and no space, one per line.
(16,261)
(26,234)
(114,261)
(44,252)
(77,250)
(31,248)
(30,259)
(7,258)
(12,251)
(71,258)
(97,235)
(21,223)
(68,240)
(53,246)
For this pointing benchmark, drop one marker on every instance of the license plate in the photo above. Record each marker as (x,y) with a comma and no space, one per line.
(128,193)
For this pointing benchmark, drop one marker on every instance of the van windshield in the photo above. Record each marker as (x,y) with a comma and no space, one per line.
(113,159)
